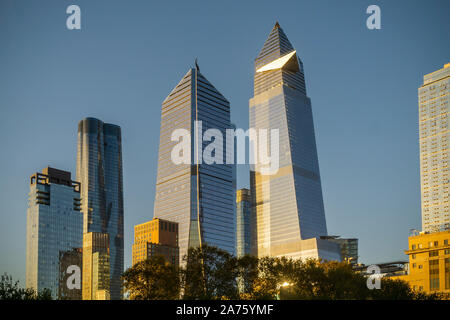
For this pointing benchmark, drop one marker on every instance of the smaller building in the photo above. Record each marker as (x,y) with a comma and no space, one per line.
(349,248)
(156,237)
(429,262)
(70,273)
(243,216)
(96,265)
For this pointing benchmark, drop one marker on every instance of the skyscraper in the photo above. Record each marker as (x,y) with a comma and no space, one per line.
(196,195)
(434,137)
(288,205)
(54,227)
(99,169)
(243,222)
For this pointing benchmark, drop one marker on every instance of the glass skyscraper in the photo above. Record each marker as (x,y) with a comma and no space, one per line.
(243,222)
(434,139)
(198,196)
(99,169)
(288,205)
(54,229)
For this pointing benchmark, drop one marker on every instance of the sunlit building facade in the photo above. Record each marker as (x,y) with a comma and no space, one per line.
(96,266)
(429,262)
(99,169)
(288,205)
(156,237)
(54,227)
(196,195)
(243,222)
(434,136)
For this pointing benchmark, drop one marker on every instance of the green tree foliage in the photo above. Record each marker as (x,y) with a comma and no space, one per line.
(210,273)
(152,279)
(10,290)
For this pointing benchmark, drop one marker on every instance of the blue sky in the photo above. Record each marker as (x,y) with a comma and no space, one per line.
(130,54)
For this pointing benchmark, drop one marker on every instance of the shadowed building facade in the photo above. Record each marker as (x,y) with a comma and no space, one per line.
(243,222)
(197,196)
(54,227)
(287,206)
(99,169)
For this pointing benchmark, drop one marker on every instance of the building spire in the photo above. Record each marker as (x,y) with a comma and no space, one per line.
(277,25)
(196,65)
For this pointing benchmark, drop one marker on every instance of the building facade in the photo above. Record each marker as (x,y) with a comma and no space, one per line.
(54,227)
(243,222)
(99,169)
(349,248)
(197,195)
(434,136)
(96,266)
(429,262)
(156,237)
(288,205)
(70,274)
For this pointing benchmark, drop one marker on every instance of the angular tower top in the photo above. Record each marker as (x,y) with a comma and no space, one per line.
(276,45)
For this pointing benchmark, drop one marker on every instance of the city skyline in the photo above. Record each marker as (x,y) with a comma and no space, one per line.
(140,207)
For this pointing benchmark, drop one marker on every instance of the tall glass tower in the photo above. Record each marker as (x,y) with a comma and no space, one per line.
(99,169)
(288,205)
(54,229)
(243,218)
(197,196)
(434,139)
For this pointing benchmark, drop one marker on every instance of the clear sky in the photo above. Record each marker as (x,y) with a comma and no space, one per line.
(130,54)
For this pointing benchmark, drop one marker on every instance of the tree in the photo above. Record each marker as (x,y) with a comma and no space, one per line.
(152,279)
(10,290)
(209,273)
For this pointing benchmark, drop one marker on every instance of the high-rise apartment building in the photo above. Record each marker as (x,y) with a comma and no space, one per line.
(288,205)
(196,195)
(96,266)
(99,169)
(156,237)
(243,222)
(54,228)
(434,137)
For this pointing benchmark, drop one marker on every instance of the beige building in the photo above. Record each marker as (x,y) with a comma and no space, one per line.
(434,135)
(96,266)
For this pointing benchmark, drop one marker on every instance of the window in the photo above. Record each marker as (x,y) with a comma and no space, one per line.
(413,256)
(414,265)
(434,253)
(420,266)
(446,242)
(447,251)
(434,274)
(436,243)
(447,273)
(413,247)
